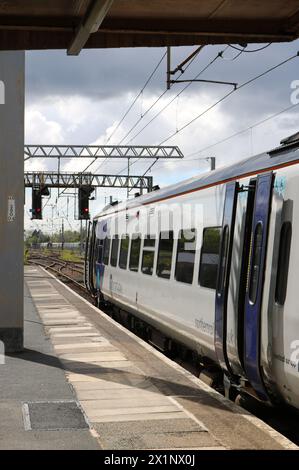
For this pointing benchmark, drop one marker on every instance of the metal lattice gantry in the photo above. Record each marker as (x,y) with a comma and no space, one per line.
(102,151)
(75,180)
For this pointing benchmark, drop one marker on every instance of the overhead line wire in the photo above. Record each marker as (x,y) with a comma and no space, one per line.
(155,102)
(220,54)
(243,130)
(244,84)
(137,96)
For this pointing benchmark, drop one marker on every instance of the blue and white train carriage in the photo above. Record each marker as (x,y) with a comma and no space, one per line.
(221,281)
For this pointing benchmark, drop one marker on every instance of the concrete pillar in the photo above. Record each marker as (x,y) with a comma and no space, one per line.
(12,65)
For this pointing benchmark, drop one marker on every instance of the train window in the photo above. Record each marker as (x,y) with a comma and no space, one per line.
(209,258)
(165,254)
(283,263)
(223,259)
(185,256)
(114,250)
(148,255)
(135,252)
(256,262)
(149,241)
(123,254)
(107,243)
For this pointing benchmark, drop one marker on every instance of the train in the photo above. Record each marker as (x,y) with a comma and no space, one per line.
(210,265)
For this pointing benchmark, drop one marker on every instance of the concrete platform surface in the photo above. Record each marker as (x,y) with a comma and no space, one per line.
(38,407)
(131,395)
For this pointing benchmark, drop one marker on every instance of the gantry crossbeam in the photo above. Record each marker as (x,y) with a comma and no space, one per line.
(101,151)
(74,180)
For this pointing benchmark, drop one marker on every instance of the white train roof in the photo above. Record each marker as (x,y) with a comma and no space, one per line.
(286,153)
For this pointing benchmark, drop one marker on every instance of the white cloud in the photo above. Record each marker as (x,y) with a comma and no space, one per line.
(39,129)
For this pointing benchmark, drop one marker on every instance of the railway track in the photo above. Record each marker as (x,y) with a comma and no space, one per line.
(70,272)
(281,419)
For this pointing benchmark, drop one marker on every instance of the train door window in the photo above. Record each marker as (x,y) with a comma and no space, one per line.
(148,255)
(256,262)
(114,250)
(185,256)
(209,258)
(283,263)
(135,252)
(223,259)
(107,243)
(123,254)
(165,254)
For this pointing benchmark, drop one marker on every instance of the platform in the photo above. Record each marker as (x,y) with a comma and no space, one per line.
(83,370)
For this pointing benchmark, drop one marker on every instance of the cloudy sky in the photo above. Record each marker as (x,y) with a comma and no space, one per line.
(80,100)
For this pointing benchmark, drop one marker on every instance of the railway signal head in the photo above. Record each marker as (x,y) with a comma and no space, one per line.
(36,204)
(83,201)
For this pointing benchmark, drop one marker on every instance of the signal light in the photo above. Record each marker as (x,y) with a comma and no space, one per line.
(83,201)
(37,197)
(36,204)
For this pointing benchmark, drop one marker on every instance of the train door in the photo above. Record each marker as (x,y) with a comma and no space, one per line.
(251,279)
(99,266)
(255,283)
(227,236)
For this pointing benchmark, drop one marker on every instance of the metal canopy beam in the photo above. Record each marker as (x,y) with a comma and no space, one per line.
(74,180)
(101,151)
(69,24)
(90,24)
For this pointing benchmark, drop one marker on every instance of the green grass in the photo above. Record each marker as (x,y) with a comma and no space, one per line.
(69,255)
(26,256)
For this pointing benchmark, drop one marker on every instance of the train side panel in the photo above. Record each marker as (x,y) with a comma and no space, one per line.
(189,314)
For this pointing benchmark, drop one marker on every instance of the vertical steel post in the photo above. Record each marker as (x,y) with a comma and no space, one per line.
(62,234)
(80,235)
(58,168)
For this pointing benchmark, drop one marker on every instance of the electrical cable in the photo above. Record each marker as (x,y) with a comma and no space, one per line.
(250,50)
(242,131)
(244,84)
(157,100)
(137,96)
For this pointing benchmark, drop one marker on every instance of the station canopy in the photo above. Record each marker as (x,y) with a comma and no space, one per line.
(74,24)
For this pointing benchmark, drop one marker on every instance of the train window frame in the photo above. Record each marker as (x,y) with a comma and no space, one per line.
(106,254)
(114,251)
(178,252)
(254,280)
(148,249)
(170,237)
(201,281)
(284,251)
(122,265)
(135,237)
